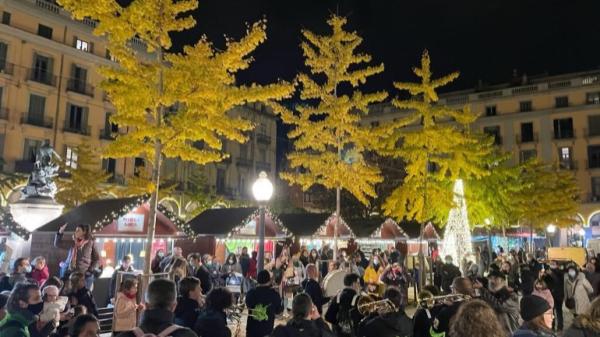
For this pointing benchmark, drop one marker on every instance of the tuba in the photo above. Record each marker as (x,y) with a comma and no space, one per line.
(370,303)
(428,303)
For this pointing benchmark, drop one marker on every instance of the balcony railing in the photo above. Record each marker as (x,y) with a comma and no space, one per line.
(81,130)
(262,166)
(569,134)
(47,5)
(593,197)
(6,67)
(40,76)
(521,140)
(591,133)
(23,166)
(567,164)
(80,87)
(262,138)
(243,162)
(4,113)
(43,122)
(107,134)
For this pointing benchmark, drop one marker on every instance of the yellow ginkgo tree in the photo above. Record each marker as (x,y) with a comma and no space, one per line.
(436,145)
(328,137)
(172,101)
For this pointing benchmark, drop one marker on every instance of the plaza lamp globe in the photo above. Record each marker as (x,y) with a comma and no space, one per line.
(262,189)
(551,229)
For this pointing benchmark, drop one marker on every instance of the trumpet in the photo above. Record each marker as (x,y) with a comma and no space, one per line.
(431,302)
(368,304)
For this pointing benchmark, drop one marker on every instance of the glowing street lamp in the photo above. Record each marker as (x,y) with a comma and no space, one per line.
(551,229)
(262,189)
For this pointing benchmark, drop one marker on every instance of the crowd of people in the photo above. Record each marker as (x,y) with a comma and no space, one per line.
(498,294)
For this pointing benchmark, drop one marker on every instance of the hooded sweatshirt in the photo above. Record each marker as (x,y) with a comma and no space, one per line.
(393,324)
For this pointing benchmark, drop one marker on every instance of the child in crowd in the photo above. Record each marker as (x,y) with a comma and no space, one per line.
(54,305)
(40,270)
(126,306)
(80,295)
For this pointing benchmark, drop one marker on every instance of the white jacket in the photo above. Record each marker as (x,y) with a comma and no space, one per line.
(582,292)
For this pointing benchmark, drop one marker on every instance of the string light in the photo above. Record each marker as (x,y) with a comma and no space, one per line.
(268,213)
(12,226)
(322,231)
(457,235)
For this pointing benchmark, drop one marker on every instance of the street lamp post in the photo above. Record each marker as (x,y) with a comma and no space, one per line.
(262,189)
(551,229)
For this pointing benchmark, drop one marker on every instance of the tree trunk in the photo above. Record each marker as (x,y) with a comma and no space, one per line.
(337,222)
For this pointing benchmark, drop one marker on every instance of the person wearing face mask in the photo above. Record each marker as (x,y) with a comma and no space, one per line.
(82,257)
(200,272)
(448,273)
(577,291)
(21,268)
(214,269)
(160,255)
(373,275)
(24,304)
(502,299)
(537,317)
(125,267)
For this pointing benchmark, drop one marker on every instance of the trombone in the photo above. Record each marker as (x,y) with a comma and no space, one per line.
(431,302)
(368,304)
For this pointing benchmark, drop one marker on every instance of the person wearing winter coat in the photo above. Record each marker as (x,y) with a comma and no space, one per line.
(593,277)
(391,324)
(556,283)
(448,273)
(537,317)
(126,306)
(21,267)
(586,324)
(578,288)
(540,289)
(441,323)
(342,313)
(189,302)
(40,270)
(504,301)
(125,267)
(373,274)
(212,322)
(262,300)
(244,261)
(22,308)
(305,322)
(83,256)
(312,287)
(80,295)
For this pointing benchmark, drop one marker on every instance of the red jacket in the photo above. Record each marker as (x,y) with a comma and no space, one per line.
(40,275)
(252,268)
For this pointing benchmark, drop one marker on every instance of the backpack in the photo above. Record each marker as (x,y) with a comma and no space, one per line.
(345,323)
(165,333)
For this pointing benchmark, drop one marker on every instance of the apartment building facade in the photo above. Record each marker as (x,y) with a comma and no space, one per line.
(49,90)
(553,118)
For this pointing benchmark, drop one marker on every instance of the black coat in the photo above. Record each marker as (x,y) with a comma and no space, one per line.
(212,323)
(186,312)
(268,297)
(84,297)
(303,328)
(423,319)
(345,301)
(157,320)
(313,289)
(205,281)
(557,288)
(449,273)
(442,320)
(393,324)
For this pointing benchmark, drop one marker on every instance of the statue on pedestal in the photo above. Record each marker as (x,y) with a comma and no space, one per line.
(40,182)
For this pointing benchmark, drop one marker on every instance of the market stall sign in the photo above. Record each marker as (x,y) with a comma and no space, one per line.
(131,222)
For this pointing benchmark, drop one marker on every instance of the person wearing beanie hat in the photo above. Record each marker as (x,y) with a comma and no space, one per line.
(537,316)
(263,304)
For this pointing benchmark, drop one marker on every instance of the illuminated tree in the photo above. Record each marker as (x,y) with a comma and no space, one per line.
(170,100)
(329,140)
(435,143)
(86,179)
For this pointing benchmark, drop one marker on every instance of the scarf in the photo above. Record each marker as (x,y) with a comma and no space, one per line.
(76,247)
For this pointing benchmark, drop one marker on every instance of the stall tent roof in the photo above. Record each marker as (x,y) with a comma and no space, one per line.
(94,211)
(224,221)
(303,224)
(367,228)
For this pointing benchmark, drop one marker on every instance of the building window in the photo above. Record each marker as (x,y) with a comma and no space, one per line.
(495,132)
(595,188)
(3,56)
(37,106)
(262,155)
(526,155)
(565,157)
(220,181)
(561,101)
(244,151)
(525,106)
(45,31)
(110,128)
(490,110)
(43,69)
(6,18)
(82,45)
(593,97)
(375,124)
(138,166)
(594,125)
(563,128)
(527,135)
(109,165)
(30,149)
(71,157)
(77,118)
(594,156)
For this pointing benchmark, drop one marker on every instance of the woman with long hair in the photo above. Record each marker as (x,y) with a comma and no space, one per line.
(82,257)
(476,318)
(178,269)
(373,274)
(537,318)
(587,324)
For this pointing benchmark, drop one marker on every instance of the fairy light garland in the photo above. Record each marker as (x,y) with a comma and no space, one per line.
(12,226)
(180,224)
(110,217)
(268,213)
(457,234)
(322,231)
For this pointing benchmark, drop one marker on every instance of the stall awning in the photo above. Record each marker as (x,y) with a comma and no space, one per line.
(303,224)
(117,217)
(413,230)
(327,229)
(236,222)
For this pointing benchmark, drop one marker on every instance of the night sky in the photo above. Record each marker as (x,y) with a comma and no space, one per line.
(484,39)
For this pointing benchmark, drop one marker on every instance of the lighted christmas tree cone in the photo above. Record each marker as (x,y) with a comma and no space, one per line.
(457,234)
